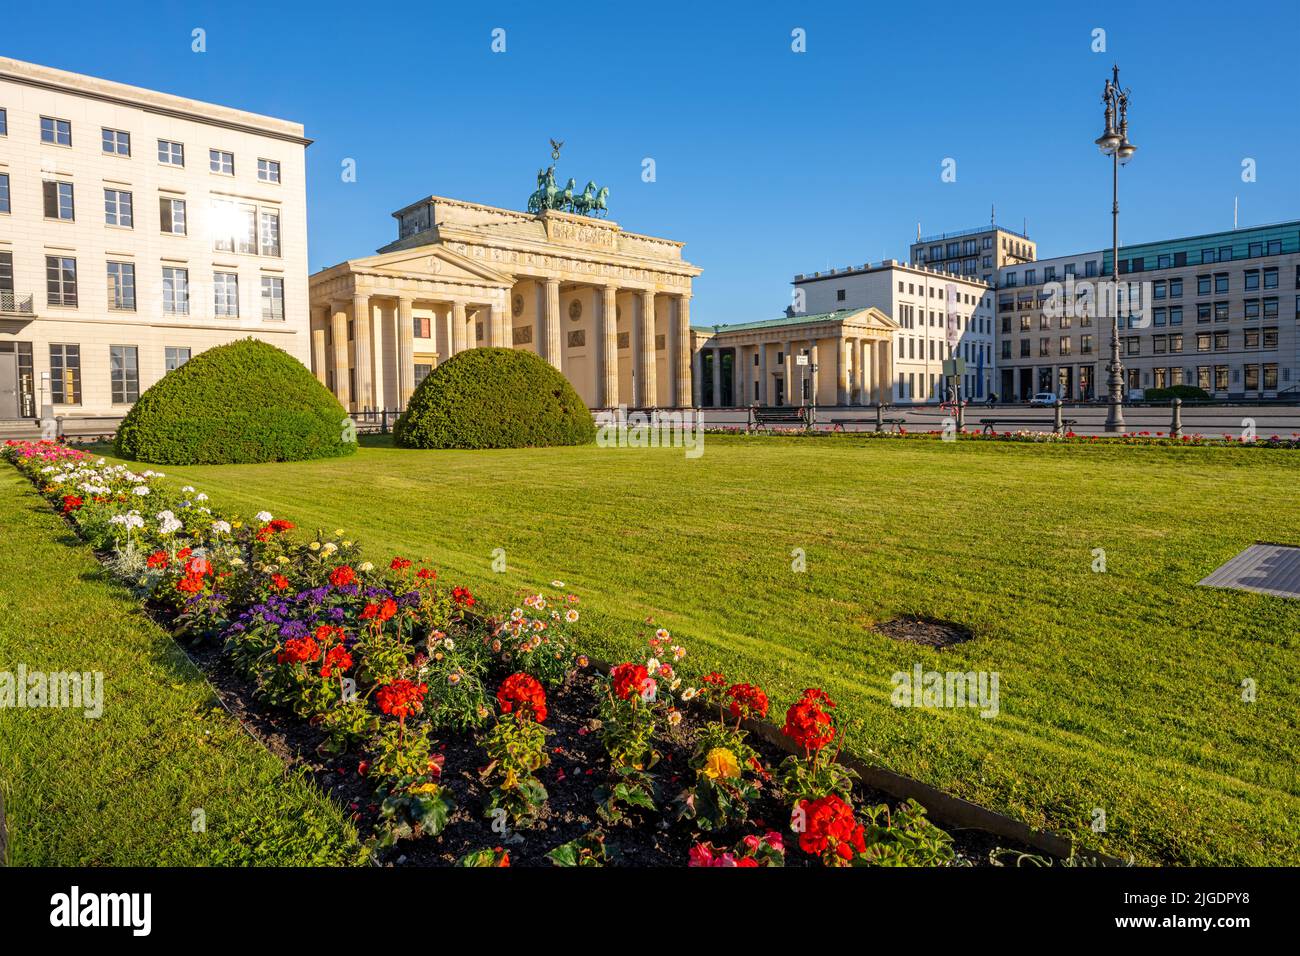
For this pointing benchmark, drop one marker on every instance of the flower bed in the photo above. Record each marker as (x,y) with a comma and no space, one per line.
(458,734)
(1158,439)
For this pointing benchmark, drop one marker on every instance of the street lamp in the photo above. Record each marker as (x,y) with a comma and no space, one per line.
(1113,142)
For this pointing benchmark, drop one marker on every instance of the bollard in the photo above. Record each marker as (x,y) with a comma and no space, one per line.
(961,418)
(1057,425)
(1176,426)
(880,417)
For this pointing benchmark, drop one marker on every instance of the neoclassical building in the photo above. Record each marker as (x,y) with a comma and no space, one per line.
(843,357)
(608,308)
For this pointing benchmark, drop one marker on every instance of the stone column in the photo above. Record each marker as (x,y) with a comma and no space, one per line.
(497,326)
(682,388)
(339,333)
(649,379)
(361,333)
(813,373)
(609,346)
(788,372)
(697,378)
(458,342)
(405,350)
(844,394)
(319,339)
(864,371)
(763,377)
(884,385)
(550,344)
(717,377)
(742,375)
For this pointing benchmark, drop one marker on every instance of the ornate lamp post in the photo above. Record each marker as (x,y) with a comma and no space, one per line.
(1113,142)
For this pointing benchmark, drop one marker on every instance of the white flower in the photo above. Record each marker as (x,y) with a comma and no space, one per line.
(689,693)
(652,666)
(449,644)
(263,516)
(169,525)
(365,566)
(570,615)
(557,584)
(236,562)
(141,490)
(329,547)
(188,489)
(221,527)
(200,497)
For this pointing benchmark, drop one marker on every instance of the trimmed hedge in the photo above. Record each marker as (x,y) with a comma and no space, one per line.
(242,402)
(1185,392)
(494,398)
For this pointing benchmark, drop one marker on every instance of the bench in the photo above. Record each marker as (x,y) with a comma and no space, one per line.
(766,417)
(1053,423)
(897,423)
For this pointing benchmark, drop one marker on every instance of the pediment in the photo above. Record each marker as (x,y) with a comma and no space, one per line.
(431,262)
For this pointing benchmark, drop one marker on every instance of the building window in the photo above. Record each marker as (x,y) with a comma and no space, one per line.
(1270,338)
(61,281)
(1252,279)
(170,153)
(1176,315)
(171,214)
(839,294)
(423,327)
(273,299)
(118,208)
(1220,341)
(1220,378)
(270,233)
(176,291)
(1221,282)
(1203,341)
(124,372)
(1270,377)
(65,374)
(225,293)
(1175,343)
(1270,278)
(1175,288)
(4,122)
(268,170)
(58,201)
(121,286)
(1024,348)
(422,371)
(56,131)
(1085,344)
(175,357)
(117,142)
(1065,345)
(234,227)
(4,192)
(220,161)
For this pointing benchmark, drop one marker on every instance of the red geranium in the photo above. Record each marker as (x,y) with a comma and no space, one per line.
(327,634)
(183,554)
(746,701)
(427,574)
(522,694)
(830,830)
(298,650)
(198,567)
(399,564)
(807,722)
(280,581)
(342,575)
(337,660)
(157,560)
(190,584)
(71,503)
(401,698)
(629,680)
(713,679)
(462,596)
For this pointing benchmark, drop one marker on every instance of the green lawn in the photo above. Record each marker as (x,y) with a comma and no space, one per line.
(121,789)
(1119,690)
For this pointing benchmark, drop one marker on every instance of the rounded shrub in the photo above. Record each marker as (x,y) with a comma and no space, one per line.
(494,398)
(242,402)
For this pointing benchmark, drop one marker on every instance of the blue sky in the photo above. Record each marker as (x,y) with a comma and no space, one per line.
(768,162)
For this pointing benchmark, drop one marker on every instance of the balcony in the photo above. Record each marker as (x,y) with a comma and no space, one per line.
(16,305)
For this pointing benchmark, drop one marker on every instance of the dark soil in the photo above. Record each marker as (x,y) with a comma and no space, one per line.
(578,765)
(924,630)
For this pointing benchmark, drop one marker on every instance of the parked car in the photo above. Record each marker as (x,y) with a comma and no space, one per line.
(1043,400)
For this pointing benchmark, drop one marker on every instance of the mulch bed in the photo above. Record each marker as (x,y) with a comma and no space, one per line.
(928,632)
(578,765)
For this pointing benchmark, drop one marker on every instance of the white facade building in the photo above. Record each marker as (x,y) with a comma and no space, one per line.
(939,316)
(136,230)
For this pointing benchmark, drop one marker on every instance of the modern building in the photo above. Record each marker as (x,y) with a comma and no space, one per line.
(608,308)
(1043,348)
(1217,311)
(136,230)
(976,253)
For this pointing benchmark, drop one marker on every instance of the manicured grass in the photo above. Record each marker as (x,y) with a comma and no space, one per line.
(1119,690)
(121,789)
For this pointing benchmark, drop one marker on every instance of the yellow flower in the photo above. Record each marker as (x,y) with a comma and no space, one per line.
(431,789)
(721,764)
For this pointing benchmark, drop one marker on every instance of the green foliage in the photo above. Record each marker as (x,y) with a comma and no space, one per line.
(516,748)
(906,838)
(587,850)
(724,784)
(494,398)
(412,809)
(1185,392)
(487,857)
(243,402)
